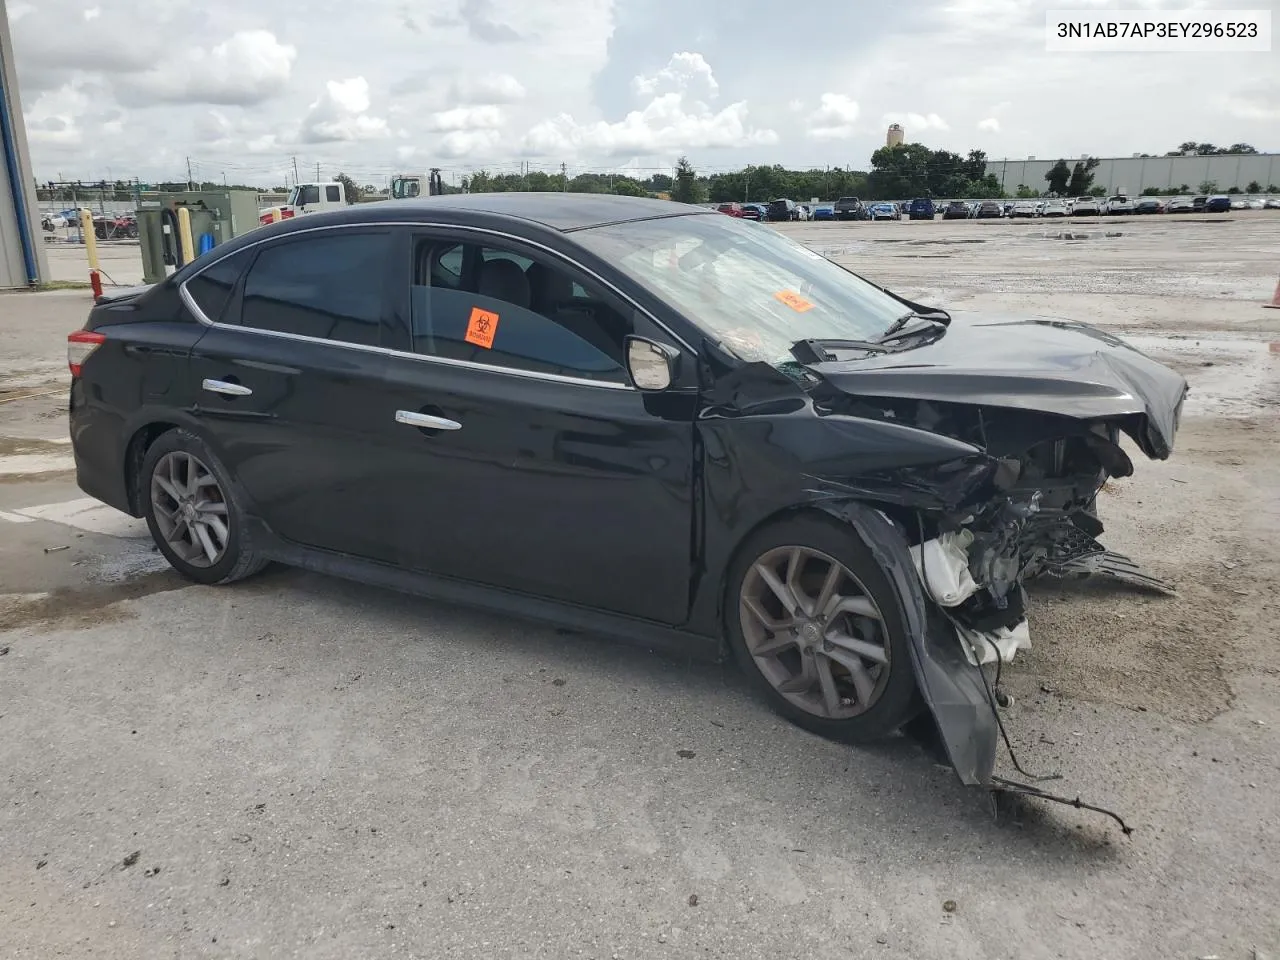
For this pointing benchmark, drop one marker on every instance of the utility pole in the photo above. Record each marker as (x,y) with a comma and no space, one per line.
(189,187)
(564,178)
(224,178)
(317,170)
(295,170)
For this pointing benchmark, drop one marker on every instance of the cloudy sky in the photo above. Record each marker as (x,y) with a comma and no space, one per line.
(122,88)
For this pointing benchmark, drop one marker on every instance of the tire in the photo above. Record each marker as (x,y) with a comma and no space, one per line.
(237,558)
(895,700)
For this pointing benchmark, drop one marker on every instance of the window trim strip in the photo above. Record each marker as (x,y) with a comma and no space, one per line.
(190,303)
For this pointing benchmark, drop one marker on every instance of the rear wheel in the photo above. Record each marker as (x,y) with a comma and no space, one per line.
(192,511)
(815,625)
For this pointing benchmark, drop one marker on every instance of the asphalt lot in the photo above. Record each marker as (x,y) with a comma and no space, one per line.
(306,767)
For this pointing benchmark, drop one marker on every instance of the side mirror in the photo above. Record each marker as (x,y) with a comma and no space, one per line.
(652,366)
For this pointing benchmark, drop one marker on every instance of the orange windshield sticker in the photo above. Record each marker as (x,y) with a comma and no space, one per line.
(793,300)
(481,327)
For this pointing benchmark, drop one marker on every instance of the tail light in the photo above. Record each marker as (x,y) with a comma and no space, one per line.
(79,345)
(286,214)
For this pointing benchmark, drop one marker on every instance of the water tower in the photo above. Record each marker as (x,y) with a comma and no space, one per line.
(894,137)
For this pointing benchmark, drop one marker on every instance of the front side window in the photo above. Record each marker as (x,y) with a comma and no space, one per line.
(487,304)
(328,285)
(754,290)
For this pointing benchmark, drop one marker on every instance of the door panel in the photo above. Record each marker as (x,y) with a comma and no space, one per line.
(306,444)
(569,491)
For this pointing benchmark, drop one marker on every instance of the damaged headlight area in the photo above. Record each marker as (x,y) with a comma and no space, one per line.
(1036,515)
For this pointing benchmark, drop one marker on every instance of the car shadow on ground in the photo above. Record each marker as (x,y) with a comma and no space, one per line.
(706,709)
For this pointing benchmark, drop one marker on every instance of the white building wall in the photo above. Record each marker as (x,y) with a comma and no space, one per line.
(1135,174)
(13,271)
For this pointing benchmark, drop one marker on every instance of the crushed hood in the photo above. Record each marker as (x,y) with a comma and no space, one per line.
(1051,366)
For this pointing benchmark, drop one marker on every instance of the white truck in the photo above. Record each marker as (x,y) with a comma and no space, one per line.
(307,198)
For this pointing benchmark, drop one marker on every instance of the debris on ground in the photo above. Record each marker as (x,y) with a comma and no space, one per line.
(131,859)
(685,754)
(693,899)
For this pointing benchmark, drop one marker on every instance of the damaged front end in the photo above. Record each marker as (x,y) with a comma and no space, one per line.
(1026,509)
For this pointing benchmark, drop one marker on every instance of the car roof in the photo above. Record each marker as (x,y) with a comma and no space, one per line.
(558,211)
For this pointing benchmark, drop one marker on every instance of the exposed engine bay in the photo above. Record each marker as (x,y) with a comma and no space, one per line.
(1036,515)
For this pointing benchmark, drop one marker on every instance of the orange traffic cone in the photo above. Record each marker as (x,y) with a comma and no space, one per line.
(1275,299)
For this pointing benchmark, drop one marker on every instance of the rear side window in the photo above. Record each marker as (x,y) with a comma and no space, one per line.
(331,193)
(211,288)
(329,286)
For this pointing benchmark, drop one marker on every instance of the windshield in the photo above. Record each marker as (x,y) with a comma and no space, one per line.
(753,290)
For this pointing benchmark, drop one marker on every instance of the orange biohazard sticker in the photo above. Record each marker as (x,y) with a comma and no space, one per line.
(793,300)
(481,327)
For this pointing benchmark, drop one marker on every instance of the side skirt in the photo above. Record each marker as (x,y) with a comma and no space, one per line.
(631,630)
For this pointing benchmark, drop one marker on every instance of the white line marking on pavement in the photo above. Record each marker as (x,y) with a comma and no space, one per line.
(14,517)
(22,464)
(89,515)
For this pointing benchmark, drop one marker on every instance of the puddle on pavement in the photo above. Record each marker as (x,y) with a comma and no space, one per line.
(83,606)
(1228,375)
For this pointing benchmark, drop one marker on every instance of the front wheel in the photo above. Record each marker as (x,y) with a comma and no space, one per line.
(814,623)
(192,511)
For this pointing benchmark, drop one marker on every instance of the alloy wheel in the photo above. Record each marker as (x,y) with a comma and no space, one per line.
(814,632)
(190,509)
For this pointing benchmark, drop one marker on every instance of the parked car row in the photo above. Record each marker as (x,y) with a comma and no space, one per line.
(105,226)
(925,208)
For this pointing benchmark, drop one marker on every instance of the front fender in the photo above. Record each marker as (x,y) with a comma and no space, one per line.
(953,689)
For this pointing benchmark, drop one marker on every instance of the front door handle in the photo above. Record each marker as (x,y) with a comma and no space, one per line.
(426,420)
(226,389)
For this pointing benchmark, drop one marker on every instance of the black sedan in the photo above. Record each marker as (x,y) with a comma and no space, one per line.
(629,417)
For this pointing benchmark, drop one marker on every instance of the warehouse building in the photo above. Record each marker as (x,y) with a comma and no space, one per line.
(22,259)
(1132,175)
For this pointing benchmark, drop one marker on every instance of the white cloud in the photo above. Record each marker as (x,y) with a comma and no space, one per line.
(486,117)
(1258,102)
(340,115)
(684,73)
(249,67)
(666,126)
(917,121)
(795,106)
(676,119)
(93,13)
(834,119)
(990,125)
(54,117)
(467,143)
(494,88)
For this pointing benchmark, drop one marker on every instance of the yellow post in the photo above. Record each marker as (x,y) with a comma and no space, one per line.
(91,251)
(184,235)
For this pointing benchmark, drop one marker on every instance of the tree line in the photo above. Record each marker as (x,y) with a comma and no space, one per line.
(897,173)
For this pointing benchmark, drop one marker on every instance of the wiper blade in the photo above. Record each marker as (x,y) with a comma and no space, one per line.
(900,324)
(819,351)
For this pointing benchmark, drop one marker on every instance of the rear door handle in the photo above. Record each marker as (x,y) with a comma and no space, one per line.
(226,389)
(415,419)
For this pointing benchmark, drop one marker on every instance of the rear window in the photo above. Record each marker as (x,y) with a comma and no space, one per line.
(211,288)
(328,286)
